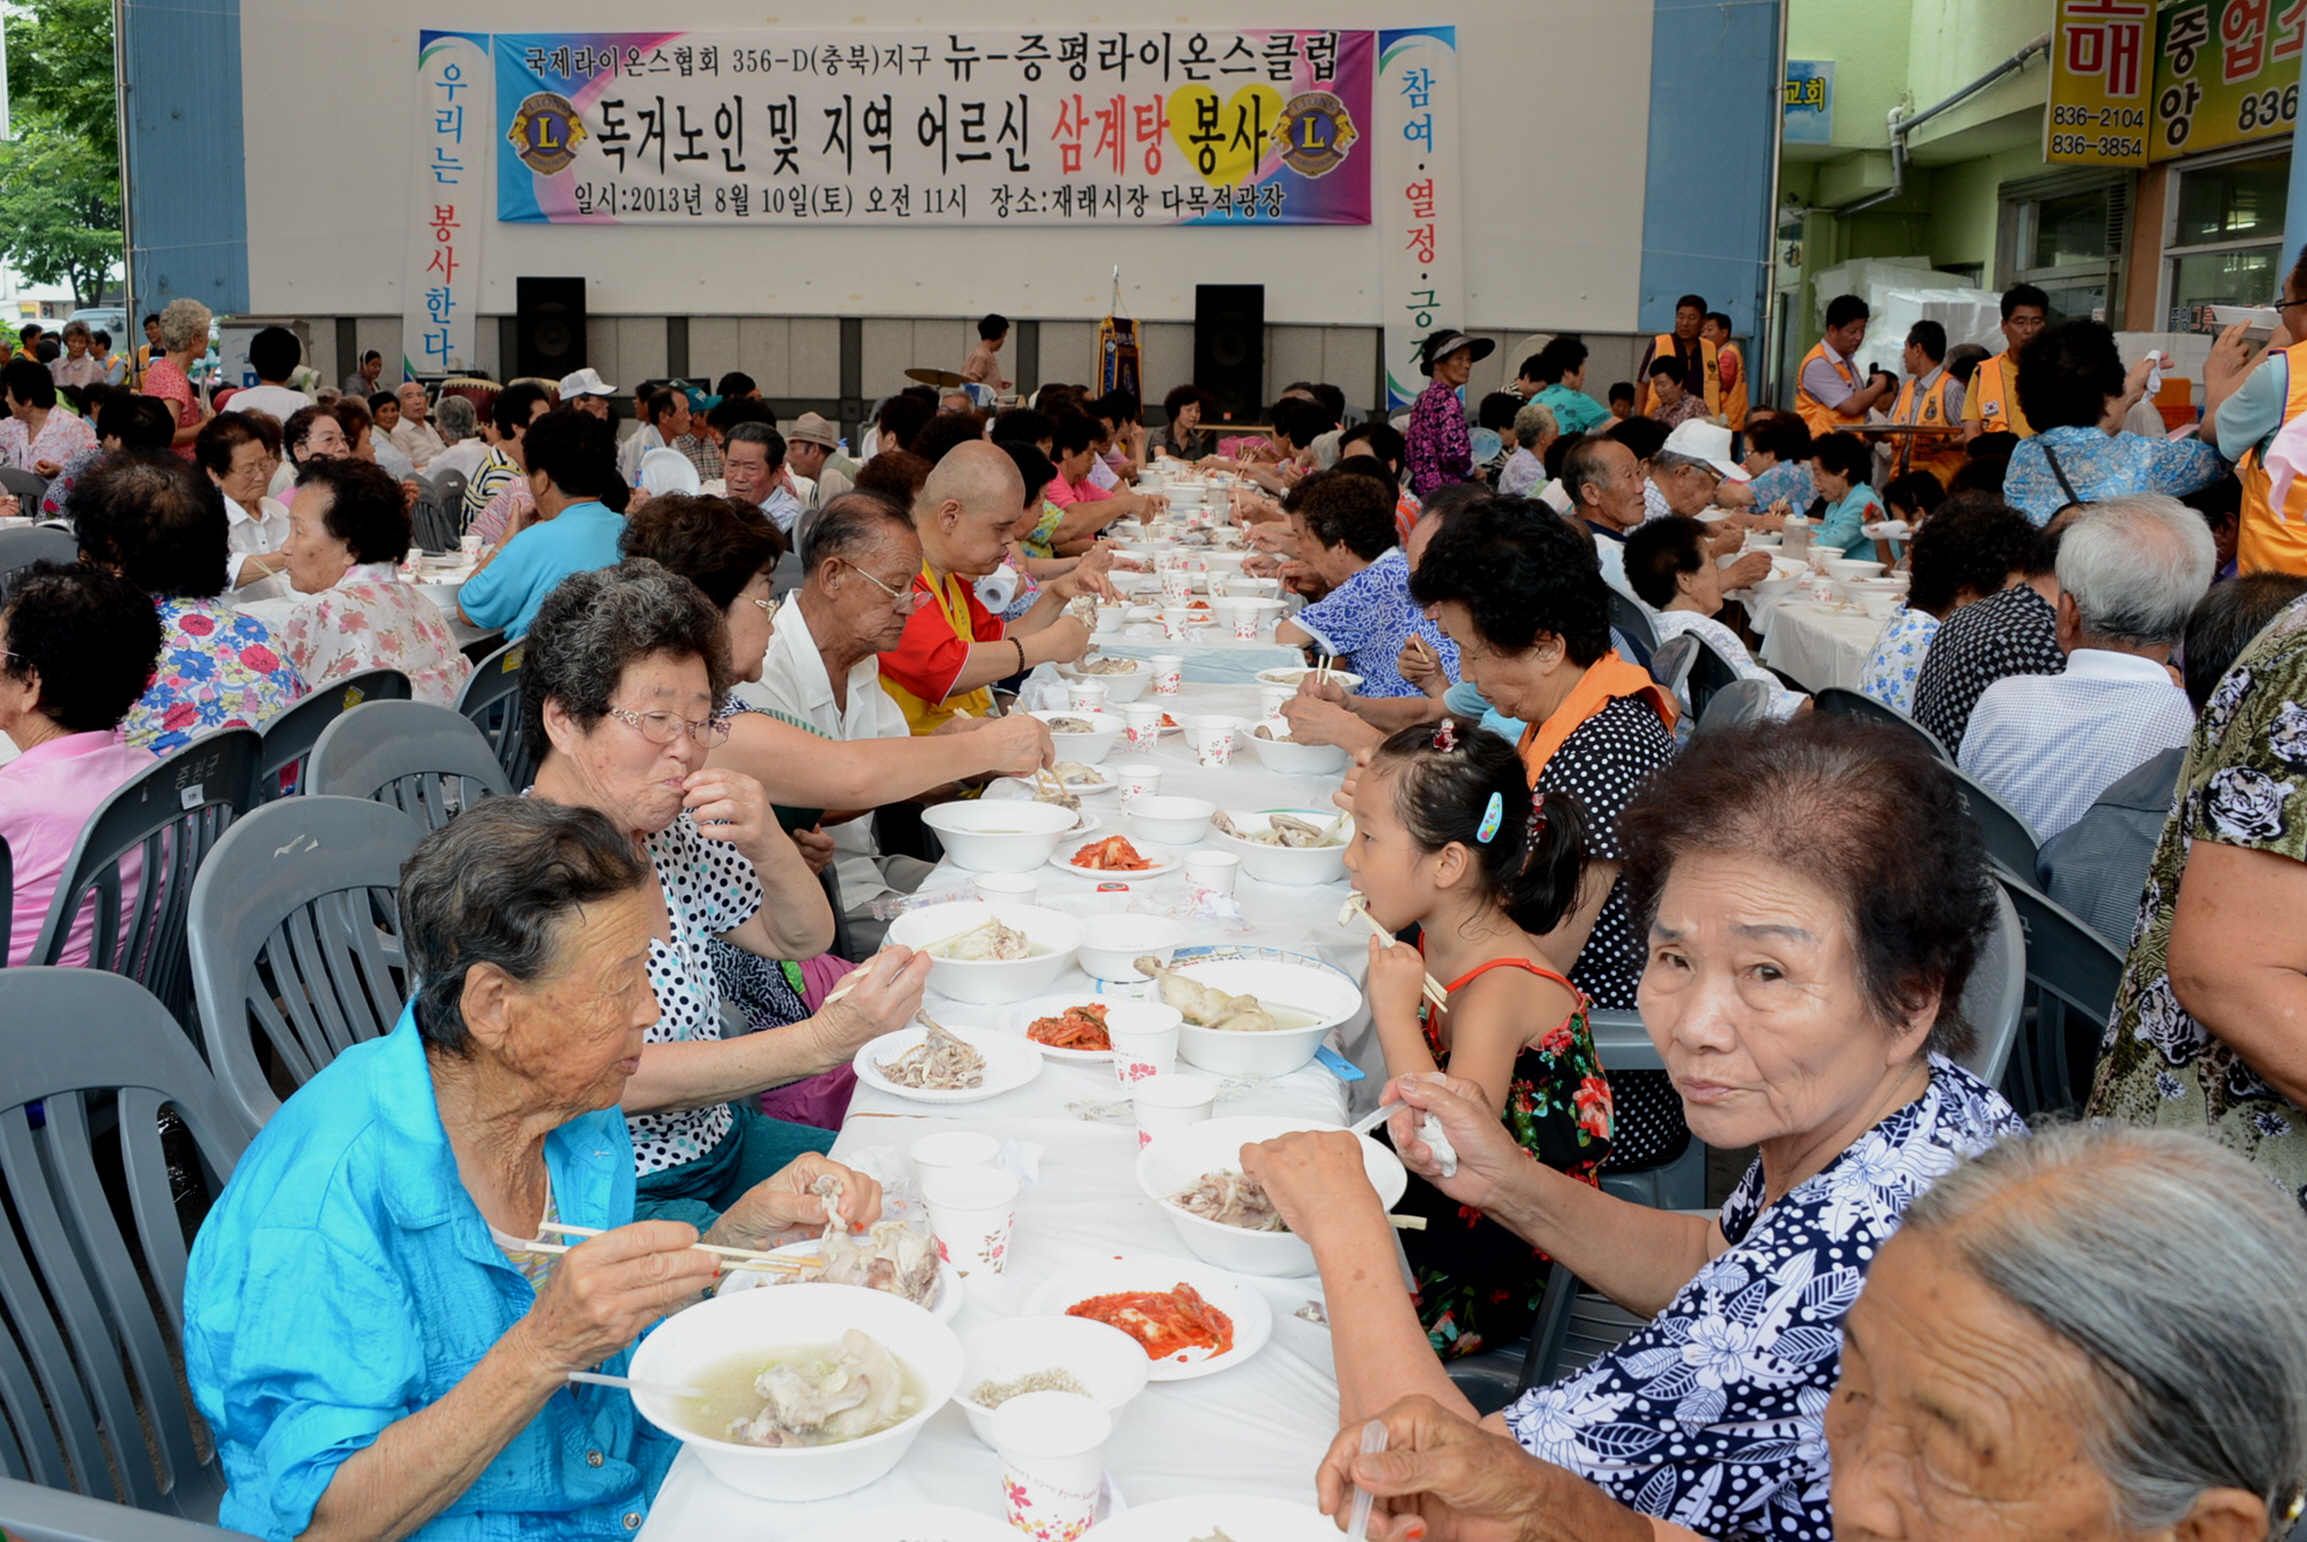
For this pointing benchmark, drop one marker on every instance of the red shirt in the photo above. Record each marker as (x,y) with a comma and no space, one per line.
(921,669)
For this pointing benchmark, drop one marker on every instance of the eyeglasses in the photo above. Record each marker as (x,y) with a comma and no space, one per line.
(665,727)
(903,599)
(2289,305)
(768,607)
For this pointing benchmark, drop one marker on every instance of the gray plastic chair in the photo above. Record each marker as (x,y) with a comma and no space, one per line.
(92,1273)
(1633,623)
(1623,1044)
(1857,704)
(1709,672)
(2011,843)
(492,699)
(171,815)
(1670,661)
(429,762)
(1996,997)
(18,483)
(289,738)
(27,544)
(30,1513)
(1739,704)
(295,942)
(2072,975)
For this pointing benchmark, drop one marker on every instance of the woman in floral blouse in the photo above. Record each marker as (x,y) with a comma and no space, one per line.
(2205,1033)
(1801,985)
(347,530)
(1967,550)
(1441,450)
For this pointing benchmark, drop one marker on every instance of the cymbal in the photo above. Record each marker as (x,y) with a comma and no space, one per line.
(947,378)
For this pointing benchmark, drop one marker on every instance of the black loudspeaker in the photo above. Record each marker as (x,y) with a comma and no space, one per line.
(1230,349)
(549,329)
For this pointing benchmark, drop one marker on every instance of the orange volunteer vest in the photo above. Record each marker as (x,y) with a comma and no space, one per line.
(1662,346)
(1817,415)
(2265,543)
(1940,455)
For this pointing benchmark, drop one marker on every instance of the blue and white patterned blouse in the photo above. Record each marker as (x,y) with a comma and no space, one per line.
(1710,1417)
(1368,618)
(2102,465)
(1897,658)
(1789,479)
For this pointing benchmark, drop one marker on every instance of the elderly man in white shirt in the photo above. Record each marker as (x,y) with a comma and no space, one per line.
(413,436)
(2130,572)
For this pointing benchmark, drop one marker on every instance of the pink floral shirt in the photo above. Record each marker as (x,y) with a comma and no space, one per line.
(61,437)
(371,620)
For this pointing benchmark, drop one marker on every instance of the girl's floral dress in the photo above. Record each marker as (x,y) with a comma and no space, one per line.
(1479,1285)
(217,669)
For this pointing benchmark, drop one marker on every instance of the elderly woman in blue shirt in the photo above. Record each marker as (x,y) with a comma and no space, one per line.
(371,1327)
(1840,465)
(2074,391)
(1368,617)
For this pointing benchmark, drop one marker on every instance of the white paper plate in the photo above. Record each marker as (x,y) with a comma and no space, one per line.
(1164,860)
(1229,1293)
(1011,1060)
(944,1306)
(1052,1006)
(1237,1515)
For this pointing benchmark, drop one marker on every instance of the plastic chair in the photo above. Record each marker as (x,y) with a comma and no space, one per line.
(492,699)
(1623,1044)
(434,521)
(1670,661)
(1739,704)
(289,738)
(294,940)
(1996,996)
(23,485)
(8,901)
(1575,1327)
(30,1513)
(429,762)
(1709,672)
(1857,704)
(2072,976)
(170,816)
(92,1272)
(2011,844)
(27,544)
(1633,623)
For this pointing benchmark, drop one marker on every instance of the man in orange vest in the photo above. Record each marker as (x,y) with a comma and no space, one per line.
(1932,399)
(2245,405)
(1829,392)
(1732,370)
(1697,355)
(1992,407)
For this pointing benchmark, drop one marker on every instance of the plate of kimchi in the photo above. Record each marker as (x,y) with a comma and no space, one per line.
(1191,1319)
(1069,1027)
(1115,857)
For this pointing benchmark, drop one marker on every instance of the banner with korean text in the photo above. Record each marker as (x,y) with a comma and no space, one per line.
(1418,209)
(969,128)
(2102,70)
(2226,73)
(446,210)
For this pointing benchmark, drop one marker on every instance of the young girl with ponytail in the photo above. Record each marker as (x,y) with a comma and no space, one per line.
(1449,837)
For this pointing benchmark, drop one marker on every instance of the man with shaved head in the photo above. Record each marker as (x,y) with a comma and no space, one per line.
(954,648)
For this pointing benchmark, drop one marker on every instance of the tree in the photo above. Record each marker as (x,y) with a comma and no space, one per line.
(60,175)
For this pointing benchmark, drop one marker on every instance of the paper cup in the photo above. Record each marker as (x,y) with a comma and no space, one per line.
(1170,1101)
(1109,620)
(1201,725)
(1213,870)
(1052,1448)
(1010,888)
(1245,619)
(1143,722)
(1145,1040)
(949,1150)
(971,1211)
(1169,669)
(1173,625)
(1271,700)
(1218,746)
(1085,696)
(1139,778)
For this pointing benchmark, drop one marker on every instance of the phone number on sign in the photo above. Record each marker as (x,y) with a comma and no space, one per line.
(2112,146)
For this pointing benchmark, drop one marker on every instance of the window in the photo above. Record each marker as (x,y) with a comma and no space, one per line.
(2225,242)
(2065,234)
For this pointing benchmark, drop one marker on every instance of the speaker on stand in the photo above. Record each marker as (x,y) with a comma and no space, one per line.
(1230,349)
(549,327)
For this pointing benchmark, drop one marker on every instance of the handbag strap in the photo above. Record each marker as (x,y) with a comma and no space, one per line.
(2060,472)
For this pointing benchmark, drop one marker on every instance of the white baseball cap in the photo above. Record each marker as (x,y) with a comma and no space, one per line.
(585,382)
(1709,442)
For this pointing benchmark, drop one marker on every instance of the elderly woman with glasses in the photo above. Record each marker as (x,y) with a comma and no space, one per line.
(1801,983)
(626,680)
(380,1319)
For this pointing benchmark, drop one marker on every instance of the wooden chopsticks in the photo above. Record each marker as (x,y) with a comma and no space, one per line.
(740,1258)
(1358,904)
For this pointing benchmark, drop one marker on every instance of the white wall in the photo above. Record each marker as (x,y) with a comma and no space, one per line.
(1556,97)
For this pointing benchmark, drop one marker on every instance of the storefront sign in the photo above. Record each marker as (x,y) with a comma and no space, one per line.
(1425,284)
(1807,105)
(441,290)
(911,128)
(2101,68)
(2226,73)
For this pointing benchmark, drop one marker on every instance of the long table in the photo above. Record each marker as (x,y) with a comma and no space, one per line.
(1258,1428)
(1817,646)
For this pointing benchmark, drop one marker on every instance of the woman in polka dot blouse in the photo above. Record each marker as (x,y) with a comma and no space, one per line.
(625,680)
(1787,1023)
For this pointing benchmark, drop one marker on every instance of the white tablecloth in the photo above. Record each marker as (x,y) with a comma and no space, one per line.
(1258,1428)
(1223,660)
(1816,646)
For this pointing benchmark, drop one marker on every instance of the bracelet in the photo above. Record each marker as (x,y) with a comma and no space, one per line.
(1020,647)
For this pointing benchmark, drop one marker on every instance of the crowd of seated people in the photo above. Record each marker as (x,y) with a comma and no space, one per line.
(2124,671)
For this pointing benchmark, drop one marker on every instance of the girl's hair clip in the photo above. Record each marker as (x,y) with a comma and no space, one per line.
(1537,818)
(1492,817)
(1446,735)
